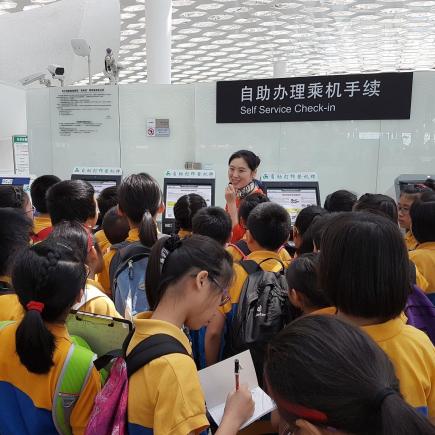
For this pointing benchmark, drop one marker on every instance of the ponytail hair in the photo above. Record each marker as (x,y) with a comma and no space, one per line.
(359,391)
(171,259)
(140,198)
(185,209)
(47,279)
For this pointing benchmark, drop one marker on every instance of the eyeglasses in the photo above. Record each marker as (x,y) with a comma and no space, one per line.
(402,210)
(33,210)
(225,296)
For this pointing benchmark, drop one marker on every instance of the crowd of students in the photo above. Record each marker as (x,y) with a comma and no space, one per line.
(332,335)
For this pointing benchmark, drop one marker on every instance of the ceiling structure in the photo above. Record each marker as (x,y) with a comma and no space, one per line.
(240,39)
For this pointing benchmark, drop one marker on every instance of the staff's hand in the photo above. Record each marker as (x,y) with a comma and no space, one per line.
(230,194)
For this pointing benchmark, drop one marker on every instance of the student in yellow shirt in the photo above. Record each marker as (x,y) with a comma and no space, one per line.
(239,250)
(423,228)
(268,227)
(327,377)
(78,238)
(339,201)
(140,201)
(15,228)
(187,278)
(301,236)
(72,200)
(184,210)
(115,229)
(303,287)
(364,270)
(38,192)
(385,206)
(106,200)
(16,197)
(48,279)
(407,197)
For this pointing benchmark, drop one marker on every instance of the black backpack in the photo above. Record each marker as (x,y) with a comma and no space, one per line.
(263,310)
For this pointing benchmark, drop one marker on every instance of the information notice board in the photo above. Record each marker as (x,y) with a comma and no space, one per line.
(319,98)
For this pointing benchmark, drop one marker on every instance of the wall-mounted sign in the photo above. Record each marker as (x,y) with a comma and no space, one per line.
(87,170)
(289,176)
(158,127)
(21,154)
(322,98)
(189,173)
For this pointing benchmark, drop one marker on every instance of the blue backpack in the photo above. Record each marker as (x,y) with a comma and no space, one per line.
(127,277)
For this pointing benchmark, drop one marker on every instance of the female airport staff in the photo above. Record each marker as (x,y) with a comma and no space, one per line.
(242,169)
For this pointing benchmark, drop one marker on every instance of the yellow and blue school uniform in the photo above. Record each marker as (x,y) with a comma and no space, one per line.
(182,234)
(239,256)
(27,398)
(103,242)
(104,276)
(413,358)
(10,307)
(40,222)
(165,396)
(410,241)
(330,311)
(423,256)
(95,301)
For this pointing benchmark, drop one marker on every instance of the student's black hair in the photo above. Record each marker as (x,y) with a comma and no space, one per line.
(49,273)
(13,196)
(318,226)
(107,199)
(302,276)
(341,379)
(171,259)
(249,203)
(422,214)
(15,229)
(251,159)
(414,190)
(306,216)
(340,200)
(72,235)
(430,183)
(269,225)
(140,198)
(364,266)
(378,204)
(213,222)
(185,209)
(38,191)
(71,200)
(115,226)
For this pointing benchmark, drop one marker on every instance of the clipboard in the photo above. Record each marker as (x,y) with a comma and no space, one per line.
(103,333)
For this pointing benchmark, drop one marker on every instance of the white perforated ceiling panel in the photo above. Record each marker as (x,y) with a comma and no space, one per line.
(228,39)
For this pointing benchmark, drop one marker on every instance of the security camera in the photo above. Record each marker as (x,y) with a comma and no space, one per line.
(32,78)
(57,72)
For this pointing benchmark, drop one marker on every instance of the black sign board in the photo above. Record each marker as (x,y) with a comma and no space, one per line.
(320,98)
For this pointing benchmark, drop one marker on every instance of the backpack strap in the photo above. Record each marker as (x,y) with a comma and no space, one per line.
(242,247)
(6,288)
(151,348)
(75,373)
(412,272)
(6,323)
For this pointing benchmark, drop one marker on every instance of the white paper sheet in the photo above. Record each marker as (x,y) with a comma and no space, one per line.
(218,381)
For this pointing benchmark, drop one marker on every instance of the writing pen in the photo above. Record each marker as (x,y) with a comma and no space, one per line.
(236,372)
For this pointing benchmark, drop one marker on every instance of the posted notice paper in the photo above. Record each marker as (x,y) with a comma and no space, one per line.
(218,381)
